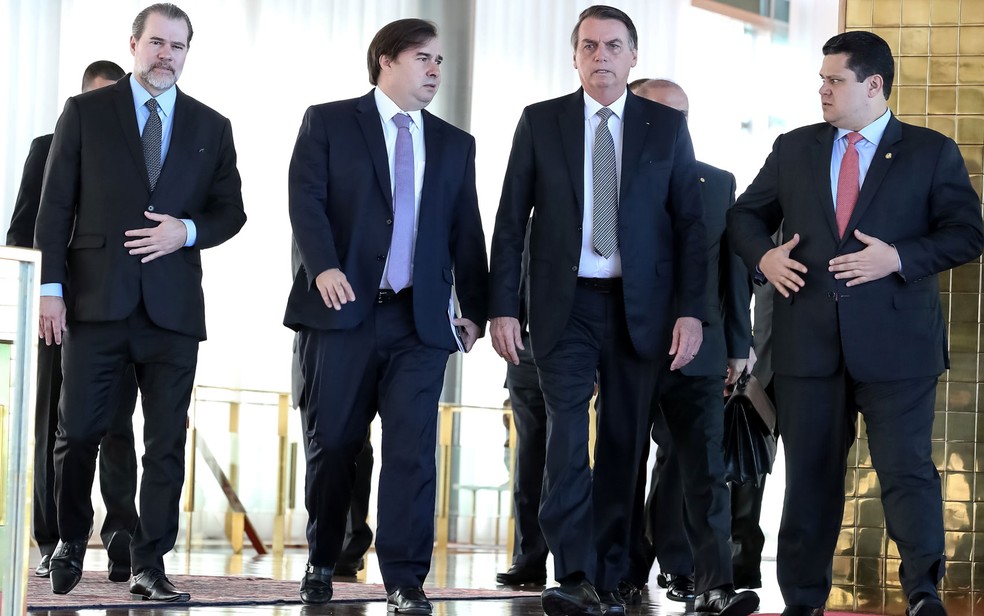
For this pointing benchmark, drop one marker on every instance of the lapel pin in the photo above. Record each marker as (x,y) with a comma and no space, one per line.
(702,180)
(888,156)
(200,150)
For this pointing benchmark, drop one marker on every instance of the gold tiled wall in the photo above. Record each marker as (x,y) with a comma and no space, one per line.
(939,83)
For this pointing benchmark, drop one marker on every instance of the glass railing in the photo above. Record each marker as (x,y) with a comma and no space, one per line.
(19,292)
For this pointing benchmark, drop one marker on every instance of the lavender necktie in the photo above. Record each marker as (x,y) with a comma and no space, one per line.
(401,248)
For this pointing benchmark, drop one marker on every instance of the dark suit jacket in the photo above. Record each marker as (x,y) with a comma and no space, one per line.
(341,210)
(917,196)
(21,230)
(96,188)
(661,234)
(728,331)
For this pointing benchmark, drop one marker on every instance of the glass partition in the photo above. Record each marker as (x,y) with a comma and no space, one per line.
(19,277)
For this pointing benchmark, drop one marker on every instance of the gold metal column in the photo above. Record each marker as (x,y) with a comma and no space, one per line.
(939,83)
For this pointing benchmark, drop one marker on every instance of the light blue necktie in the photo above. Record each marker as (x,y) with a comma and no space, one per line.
(401,247)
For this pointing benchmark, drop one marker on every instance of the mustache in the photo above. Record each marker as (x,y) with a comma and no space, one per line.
(162,65)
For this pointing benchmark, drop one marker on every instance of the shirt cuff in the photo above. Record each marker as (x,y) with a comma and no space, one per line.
(192,231)
(52,289)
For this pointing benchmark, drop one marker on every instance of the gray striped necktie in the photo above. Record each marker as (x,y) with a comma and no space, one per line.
(605,220)
(151,139)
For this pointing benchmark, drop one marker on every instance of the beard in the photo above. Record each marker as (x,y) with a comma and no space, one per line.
(160,80)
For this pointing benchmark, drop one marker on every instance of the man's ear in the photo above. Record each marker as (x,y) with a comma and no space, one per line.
(876,86)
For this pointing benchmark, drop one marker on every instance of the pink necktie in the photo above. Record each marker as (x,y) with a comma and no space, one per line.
(401,247)
(848,183)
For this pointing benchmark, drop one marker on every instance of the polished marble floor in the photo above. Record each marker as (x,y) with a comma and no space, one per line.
(458,567)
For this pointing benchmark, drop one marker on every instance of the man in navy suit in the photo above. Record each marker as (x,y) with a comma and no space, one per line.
(617,272)
(872,210)
(117,458)
(385,214)
(687,513)
(141,178)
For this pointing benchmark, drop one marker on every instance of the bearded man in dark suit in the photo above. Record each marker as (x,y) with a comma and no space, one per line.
(141,177)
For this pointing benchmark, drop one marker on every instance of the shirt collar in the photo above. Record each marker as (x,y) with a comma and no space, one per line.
(591,106)
(141,96)
(387,109)
(872,132)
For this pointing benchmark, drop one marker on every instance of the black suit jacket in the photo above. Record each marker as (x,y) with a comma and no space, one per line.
(917,196)
(21,230)
(728,331)
(341,210)
(96,188)
(661,233)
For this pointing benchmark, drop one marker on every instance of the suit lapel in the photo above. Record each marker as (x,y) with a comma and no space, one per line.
(127,115)
(884,155)
(821,151)
(367,115)
(434,152)
(182,134)
(571,126)
(635,130)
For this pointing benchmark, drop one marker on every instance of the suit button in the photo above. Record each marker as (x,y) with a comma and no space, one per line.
(831,295)
(573,268)
(380,257)
(389,221)
(580,229)
(150,208)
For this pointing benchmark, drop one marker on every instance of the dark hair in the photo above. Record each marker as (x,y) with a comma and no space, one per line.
(165,9)
(600,11)
(867,54)
(396,37)
(101,68)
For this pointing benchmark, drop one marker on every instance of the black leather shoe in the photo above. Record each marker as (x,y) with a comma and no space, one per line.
(726,602)
(44,566)
(611,603)
(571,600)
(802,610)
(316,585)
(118,551)
(519,575)
(680,587)
(153,585)
(408,600)
(631,595)
(349,569)
(927,606)
(65,566)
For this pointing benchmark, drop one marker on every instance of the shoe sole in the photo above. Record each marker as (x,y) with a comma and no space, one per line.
(420,611)
(506,582)
(742,607)
(184,598)
(557,606)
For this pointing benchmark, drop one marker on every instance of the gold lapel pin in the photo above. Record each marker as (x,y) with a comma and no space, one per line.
(888,156)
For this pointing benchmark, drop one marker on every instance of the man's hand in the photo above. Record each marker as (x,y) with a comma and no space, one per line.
(467,331)
(781,270)
(736,366)
(169,235)
(335,288)
(52,321)
(506,338)
(687,336)
(875,261)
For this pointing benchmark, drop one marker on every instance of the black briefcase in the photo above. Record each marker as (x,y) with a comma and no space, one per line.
(749,432)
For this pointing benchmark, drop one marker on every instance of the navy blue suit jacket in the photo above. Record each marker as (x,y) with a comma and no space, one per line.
(341,210)
(916,195)
(661,231)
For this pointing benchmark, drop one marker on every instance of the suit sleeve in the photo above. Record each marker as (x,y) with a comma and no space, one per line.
(59,195)
(690,236)
(737,295)
(223,215)
(307,186)
(468,243)
(955,235)
(515,206)
(757,214)
(21,231)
